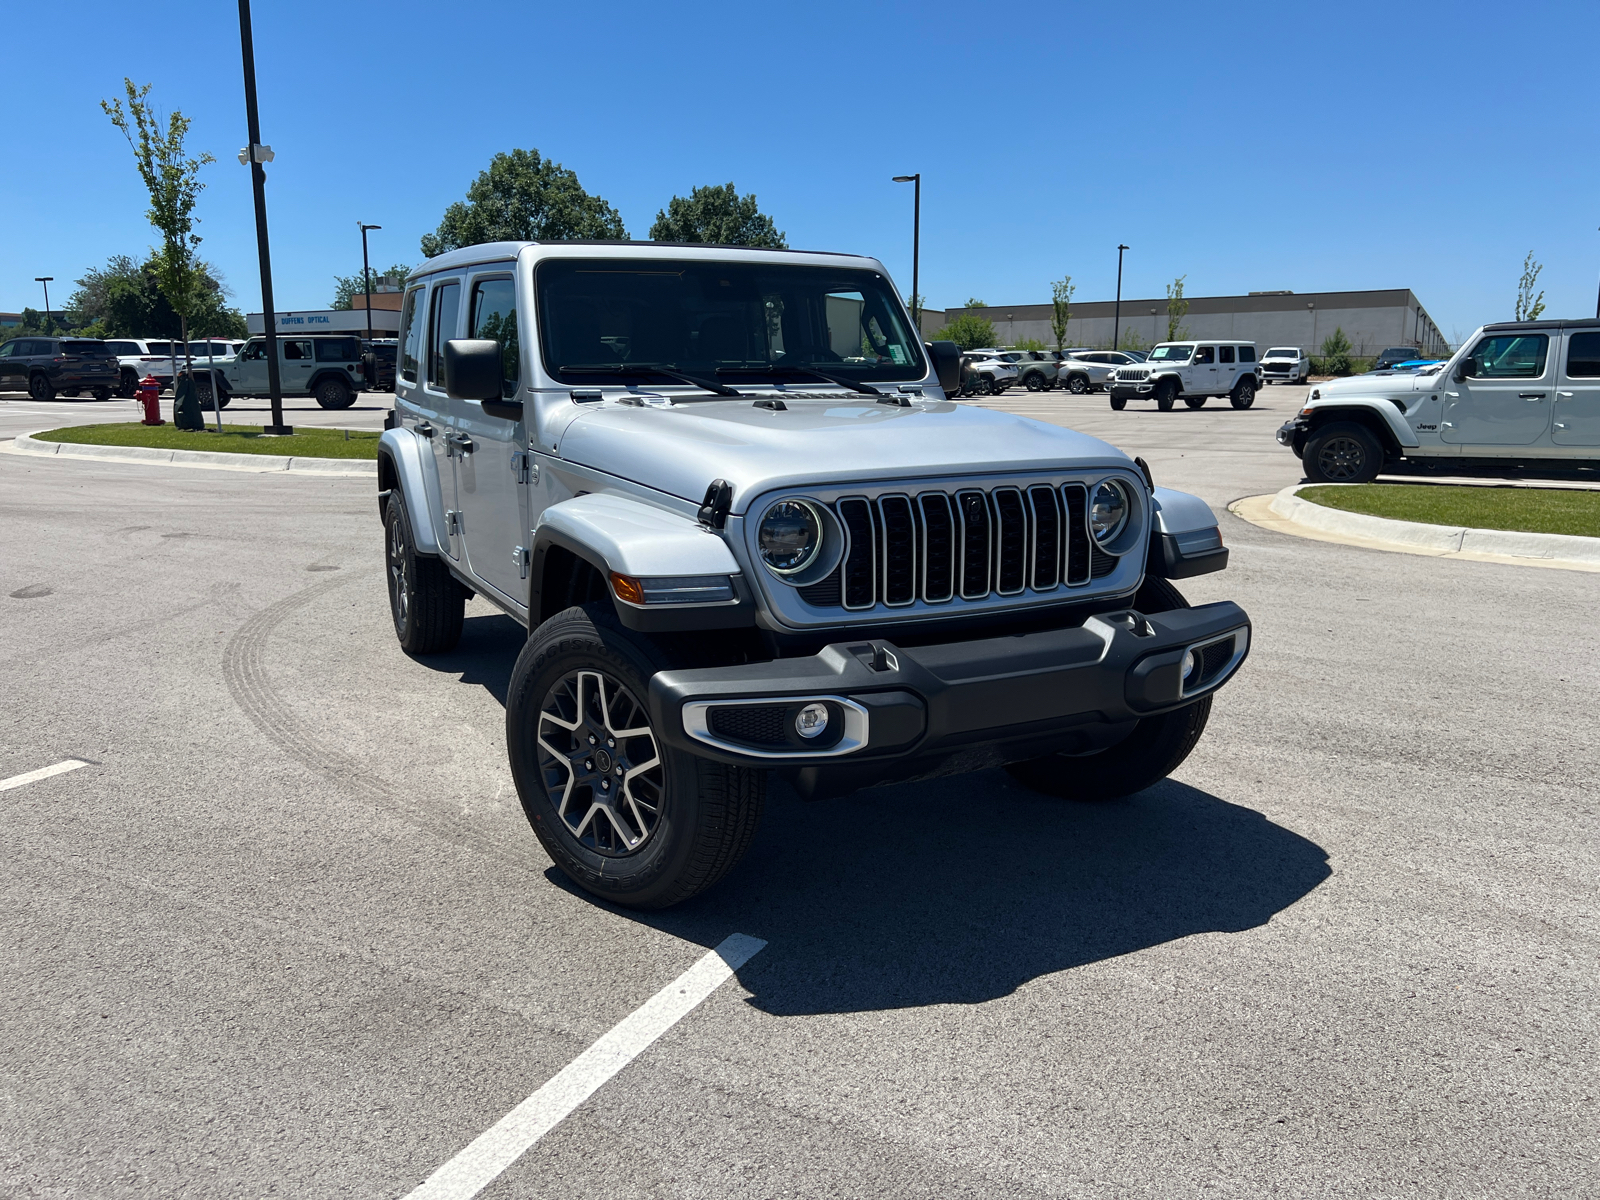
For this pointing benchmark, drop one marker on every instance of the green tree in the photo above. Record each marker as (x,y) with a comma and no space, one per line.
(173,182)
(975,303)
(1529,306)
(523,197)
(1061,309)
(969,331)
(1132,341)
(124,298)
(1336,353)
(347,287)
(717,215)
(1028,344)
(1177,309)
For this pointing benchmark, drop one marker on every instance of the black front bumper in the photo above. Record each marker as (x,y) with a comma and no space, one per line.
(1132,391)
(1292,433)
(897,713)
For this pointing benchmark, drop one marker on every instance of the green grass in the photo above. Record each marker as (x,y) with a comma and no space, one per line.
(1528,510)
(305,442)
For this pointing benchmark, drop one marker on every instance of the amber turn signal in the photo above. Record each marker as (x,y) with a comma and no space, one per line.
(627,588)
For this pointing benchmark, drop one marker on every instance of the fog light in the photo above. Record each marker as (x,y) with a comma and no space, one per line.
(812,720)
(1189,665)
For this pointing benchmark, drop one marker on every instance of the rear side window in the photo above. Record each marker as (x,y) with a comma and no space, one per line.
(1225,354)
(441,328)
(411,336)
(1248,354)
(337,350)
(494,316)
(1583,355)
(158,347)
(124,347)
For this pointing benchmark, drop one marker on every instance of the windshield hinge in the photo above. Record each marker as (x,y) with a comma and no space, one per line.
(714,508)
(896,401)
(774,405)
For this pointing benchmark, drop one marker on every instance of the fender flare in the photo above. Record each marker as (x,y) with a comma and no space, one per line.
(338,373)
(402,453)
(1370,411)
(1185,539)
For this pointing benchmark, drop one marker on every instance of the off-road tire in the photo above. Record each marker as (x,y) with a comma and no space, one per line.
(426,602)
(1166,394)
(1244,394)
(128,383)
(1194,401)
(334,393)
(41,388)
(1155,748)
(1118,403)
(1342,452)
(1078,385)
(708,811)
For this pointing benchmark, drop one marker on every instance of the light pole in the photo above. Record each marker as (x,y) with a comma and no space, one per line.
(256,154)
(366,272)
(1597,306)
(1312,309)
(1116,320)
(47,280)
(916,245)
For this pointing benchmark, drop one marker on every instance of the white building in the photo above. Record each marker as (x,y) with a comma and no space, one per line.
(385,322)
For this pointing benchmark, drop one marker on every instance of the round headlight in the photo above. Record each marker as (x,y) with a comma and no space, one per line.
(790,536)
(1108,510)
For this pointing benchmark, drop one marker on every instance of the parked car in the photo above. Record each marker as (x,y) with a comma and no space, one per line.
(141,357)
(1394,354)
(991,372)
(1091,370)
(1036,369)
(327,366)
(1516,392)
(378,360)
(46,366)
(1285,364)
(1194,371)
(874,584)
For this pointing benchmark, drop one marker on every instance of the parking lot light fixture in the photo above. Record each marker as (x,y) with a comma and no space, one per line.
(916,245)
(47,280)
(258,182)
(1116,319)
(366,272)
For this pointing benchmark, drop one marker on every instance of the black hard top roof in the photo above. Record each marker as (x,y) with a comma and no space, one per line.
(1531,326)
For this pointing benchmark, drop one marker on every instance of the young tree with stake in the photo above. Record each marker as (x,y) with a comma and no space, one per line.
(1061,309)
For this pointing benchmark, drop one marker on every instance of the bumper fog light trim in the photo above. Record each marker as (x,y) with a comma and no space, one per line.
(697,724)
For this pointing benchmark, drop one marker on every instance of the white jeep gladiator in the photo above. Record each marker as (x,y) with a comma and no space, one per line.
(726,494)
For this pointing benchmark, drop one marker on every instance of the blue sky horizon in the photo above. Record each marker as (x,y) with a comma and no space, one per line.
(1252,147)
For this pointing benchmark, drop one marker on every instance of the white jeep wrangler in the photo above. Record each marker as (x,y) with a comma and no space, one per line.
(746,531)
(1195,371)
(1515,392)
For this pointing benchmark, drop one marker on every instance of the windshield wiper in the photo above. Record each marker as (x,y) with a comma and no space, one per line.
(709,385)
(790,372)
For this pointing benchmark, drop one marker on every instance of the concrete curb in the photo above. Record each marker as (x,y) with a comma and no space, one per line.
(215,460)
(1286,513)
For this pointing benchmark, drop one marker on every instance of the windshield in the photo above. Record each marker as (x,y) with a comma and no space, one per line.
(1171,353)
(1284,352)
(733,321)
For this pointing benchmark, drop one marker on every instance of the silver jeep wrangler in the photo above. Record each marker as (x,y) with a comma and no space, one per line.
(725,493)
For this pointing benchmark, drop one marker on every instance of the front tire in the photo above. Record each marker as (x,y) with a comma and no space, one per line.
(101,393)
(1118,403)
(670,824)
(335,393)
(1035,382)
(1077,384)
(1166,394)
(128,383)
(1156,747)
(1244,394)
(427,604)
(1194,401)
(1343,452)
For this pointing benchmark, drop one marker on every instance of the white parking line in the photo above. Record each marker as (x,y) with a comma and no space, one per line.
(60,768)
(509,1138)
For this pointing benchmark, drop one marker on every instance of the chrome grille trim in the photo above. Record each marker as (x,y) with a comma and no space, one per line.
(1044,548)
(859,567)
(898,527)
(1076,569)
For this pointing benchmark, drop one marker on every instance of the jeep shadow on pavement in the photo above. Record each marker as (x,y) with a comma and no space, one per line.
(726,495)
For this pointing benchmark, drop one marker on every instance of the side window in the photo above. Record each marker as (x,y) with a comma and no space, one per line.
(1583,355)
(254,352)
(1509,356)
(494,316)
(337,350)
(8,350)
(1225,354)
(296,351)
(1247,354)
(441,328)
(410,336)
(1204,355)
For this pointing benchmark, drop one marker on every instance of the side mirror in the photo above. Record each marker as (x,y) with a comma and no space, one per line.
(946,364)
(472,369)
(1461,371)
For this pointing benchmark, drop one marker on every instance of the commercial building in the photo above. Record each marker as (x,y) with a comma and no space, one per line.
(1372,320)
(385,321)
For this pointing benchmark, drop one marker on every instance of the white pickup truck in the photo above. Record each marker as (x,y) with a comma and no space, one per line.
(1515,391)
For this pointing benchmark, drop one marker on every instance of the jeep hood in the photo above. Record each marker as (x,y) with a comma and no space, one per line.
(680,449)
(1377,385)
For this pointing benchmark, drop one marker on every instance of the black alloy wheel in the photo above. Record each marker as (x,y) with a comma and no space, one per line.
(1244,394)
(128,383)
(334,393)
(1035,381)
(1166,394)
(1194,401)
(41,388)
(1343,452)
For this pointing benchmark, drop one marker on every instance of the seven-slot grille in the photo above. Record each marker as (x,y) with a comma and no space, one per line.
(942,546)
(1132,374)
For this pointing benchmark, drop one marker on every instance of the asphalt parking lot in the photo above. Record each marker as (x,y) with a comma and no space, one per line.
(288,934)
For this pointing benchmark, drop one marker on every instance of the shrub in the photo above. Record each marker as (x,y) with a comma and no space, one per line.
(967,331)
(1335,355)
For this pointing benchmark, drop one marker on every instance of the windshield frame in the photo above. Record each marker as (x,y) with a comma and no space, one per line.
(872,284)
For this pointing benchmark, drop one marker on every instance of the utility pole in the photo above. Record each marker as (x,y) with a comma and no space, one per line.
(47,280)
(1116,320)
(366,272)
(916,245)
(256,155)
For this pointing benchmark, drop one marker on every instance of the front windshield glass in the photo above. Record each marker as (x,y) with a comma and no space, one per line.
(1171,353)
(610,320)
(1283,352)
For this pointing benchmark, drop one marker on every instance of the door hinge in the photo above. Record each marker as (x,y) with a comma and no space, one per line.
(452,522)
(519,556)
(523,467)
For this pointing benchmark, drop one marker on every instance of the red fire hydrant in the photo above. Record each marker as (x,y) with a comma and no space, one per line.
(149,395)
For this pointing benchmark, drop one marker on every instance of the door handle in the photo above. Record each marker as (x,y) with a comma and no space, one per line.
(1566,395)
(1531,395)
(1454,395)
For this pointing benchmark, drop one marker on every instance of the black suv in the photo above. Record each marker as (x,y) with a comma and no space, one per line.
(1395,354)
(43,366)
(377,364)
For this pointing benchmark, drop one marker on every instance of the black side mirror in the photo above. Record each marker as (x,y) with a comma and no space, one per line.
(946,364)
(1461,371)
(472,369)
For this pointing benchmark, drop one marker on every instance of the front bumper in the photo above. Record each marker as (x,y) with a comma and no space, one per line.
(1130,391)
(904,713)
(1292,433)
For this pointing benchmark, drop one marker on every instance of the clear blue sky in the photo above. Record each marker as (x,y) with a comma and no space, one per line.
(1250,146)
